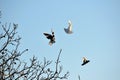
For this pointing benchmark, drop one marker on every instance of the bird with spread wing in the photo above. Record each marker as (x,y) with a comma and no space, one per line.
(51,37)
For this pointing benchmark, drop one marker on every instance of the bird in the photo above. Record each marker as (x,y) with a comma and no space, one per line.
(69,29)
(51,37)
(85,61)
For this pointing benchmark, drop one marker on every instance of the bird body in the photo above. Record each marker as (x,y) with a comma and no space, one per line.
(69,29)
(51,37)
(85,61)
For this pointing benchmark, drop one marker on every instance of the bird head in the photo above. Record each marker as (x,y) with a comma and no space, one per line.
(52,31)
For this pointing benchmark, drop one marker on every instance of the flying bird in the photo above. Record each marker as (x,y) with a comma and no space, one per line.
(69,29)
(51,37)
(85,61)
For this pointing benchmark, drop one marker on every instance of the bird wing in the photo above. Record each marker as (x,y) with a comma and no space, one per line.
(69,25)
(66,30)
(48,36)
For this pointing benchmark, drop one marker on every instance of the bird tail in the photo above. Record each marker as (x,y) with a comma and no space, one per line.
(50,43)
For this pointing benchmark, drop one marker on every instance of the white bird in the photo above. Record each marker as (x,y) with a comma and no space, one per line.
(69,29)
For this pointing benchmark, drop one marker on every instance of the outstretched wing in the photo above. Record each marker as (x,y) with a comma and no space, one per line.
(69,25)
(48,36)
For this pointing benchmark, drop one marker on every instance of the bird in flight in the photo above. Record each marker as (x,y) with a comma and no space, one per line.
(85,61)
(69,29)
(51,37)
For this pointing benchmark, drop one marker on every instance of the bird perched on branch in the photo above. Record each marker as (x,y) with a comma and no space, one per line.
(85,61)
(51,37)
(69,29)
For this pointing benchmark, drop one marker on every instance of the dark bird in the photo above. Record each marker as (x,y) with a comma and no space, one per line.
(51,37)
(85,61)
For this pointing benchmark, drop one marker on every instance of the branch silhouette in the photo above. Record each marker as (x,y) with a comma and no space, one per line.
(13,68)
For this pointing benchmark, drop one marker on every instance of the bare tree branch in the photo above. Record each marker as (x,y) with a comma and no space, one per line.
(12,68)
(79,77)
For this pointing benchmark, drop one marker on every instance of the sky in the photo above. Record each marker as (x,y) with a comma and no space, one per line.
(96,34)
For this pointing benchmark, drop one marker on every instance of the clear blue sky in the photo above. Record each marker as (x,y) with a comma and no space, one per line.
(96,27)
